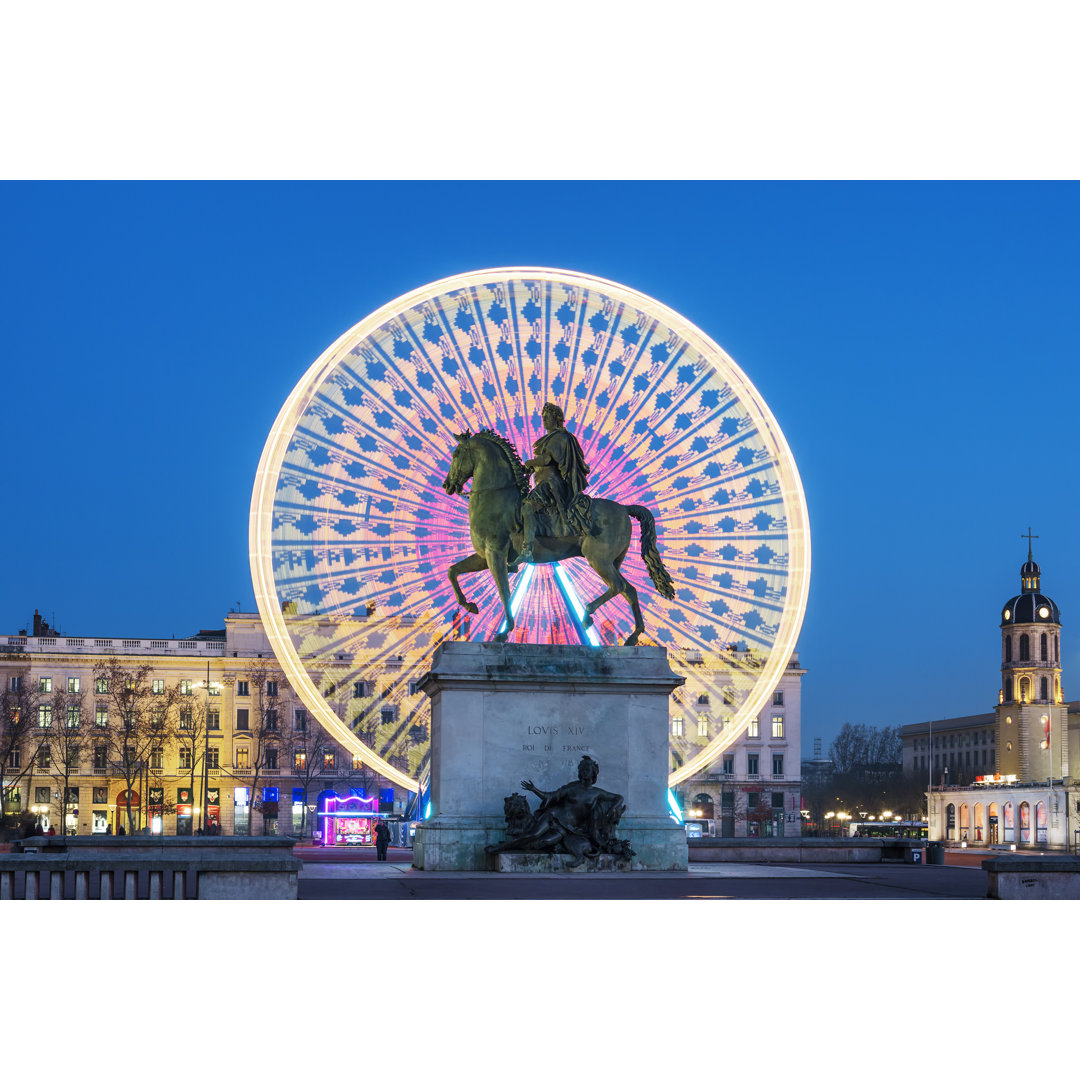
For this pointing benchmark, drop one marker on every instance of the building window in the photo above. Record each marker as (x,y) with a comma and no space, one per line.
(299,761)
(328,761)
(271,688)
(155,758)
(185,758)
(44,758)
(242,757)
(214,689)
(729,697)
(242,688)
(301,720)
(45,684)
(241,719)
(75,683)
(676,725)
(387,714)
(185,687)
(101,684)
(73,714)
(778,697)
(413,689)
(213,720)
(751,764)
(212,757)
(44,715)
(157,686)
(752,729)
(1042,647)
(357,763)
(101,756)
(358,690)
(271,758)
(15,759)
(1025,648)
(1008,688)
(777,727)
(703,699)
(729,765)
(703,726)
(778,764)
(186,721)
(271,720)
(16,683)
(1045,689)
(1008,650)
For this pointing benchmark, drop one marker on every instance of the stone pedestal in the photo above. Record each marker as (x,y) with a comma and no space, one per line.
(502,713)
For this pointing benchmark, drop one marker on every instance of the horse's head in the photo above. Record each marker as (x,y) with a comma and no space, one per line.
(461,465)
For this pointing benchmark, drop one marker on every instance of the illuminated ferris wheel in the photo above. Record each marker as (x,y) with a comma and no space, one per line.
(352,533)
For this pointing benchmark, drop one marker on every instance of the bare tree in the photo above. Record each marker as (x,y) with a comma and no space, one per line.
(191,736)
(141,722)
(20,737)
(67,736)
(255,754)
(308,745)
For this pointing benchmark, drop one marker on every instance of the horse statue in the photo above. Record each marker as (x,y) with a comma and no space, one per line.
(499,485)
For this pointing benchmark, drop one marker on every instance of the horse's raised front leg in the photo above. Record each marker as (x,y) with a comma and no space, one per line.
(469,565)
(496,563)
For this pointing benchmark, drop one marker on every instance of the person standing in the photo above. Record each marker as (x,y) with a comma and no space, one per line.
(382,840)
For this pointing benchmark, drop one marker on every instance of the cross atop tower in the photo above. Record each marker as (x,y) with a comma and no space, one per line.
(1029,538)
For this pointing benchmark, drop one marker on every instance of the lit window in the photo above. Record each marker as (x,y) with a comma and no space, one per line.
(299,761)
(703,726)
(101,715)
(44,715)
(242,757)
(158,686)
(212,753)
(186,721)
(73,715)
(213,720)
(155,757)
(44,758)
(777,727)
(328,760)
(677,725)
(185,686)
(752,728)
(101,684)
(357,763)
(75,683)
(214,690)
(45,684)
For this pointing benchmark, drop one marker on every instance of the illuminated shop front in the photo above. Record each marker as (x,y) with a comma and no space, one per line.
(184,811)
(155,804)
(347,820)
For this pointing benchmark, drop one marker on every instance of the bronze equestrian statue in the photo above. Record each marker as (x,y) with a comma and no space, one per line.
(510,525)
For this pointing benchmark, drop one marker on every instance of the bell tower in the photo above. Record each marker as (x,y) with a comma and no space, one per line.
(1032,718)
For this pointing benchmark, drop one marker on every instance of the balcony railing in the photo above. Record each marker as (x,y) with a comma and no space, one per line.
(144,646)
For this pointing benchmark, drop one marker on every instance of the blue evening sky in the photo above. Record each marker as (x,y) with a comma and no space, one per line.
(915,341)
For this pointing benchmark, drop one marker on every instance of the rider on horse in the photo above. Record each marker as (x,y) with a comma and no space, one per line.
(557,504)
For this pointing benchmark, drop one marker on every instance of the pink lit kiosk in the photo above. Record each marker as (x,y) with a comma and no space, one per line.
(348,820)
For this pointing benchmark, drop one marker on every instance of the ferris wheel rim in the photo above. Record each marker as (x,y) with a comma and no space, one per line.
(276,446)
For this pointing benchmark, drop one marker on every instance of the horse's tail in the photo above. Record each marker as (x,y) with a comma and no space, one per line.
(651,553)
